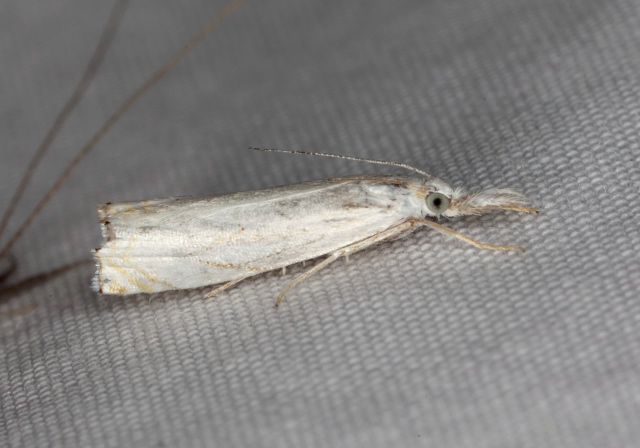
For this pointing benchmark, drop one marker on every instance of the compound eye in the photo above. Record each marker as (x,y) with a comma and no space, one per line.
(437,203)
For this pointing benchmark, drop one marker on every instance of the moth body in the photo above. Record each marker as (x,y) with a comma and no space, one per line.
(181,243)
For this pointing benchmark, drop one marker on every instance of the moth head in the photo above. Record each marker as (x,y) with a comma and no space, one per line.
(442,199)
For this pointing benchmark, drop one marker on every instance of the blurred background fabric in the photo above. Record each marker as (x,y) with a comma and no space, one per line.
(424,341)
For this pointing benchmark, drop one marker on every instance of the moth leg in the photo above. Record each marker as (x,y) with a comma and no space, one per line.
(333,257)
(21,310)
(223,287)
(11,267)
(387,234)
(447,231)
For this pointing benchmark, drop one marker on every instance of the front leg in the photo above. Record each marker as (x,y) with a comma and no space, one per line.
(447,231)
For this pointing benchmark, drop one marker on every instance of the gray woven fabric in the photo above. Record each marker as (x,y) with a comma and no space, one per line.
(421,342)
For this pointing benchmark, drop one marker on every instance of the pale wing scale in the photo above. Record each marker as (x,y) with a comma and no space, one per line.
(180,243)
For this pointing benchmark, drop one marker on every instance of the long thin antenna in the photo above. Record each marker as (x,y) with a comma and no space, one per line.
(113,119)
(359,159)
(106,38)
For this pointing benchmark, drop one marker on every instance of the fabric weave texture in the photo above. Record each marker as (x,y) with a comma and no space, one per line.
(422,342)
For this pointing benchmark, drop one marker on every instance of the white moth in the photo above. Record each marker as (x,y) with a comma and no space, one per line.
(180,243)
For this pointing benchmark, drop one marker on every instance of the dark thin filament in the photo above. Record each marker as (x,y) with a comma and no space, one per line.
(10,269)
(106,38)
(30,282)
(113,119)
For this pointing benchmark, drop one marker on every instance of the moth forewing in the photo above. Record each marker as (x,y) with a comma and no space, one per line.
(180,243)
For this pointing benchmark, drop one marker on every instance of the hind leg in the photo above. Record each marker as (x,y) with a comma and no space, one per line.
(222,287)
(388,234)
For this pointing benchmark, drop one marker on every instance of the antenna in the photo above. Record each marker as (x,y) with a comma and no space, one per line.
(359,159)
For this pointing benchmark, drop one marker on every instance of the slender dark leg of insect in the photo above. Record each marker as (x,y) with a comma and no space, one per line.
(387,234)
(447,231)
(105,40)
(104,43)
(113,119)
(117,12)
(21,310)
(35,280)
(12,264)
(222,288)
